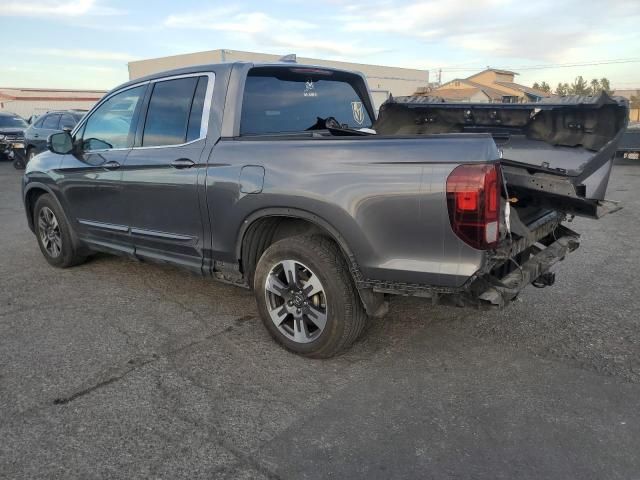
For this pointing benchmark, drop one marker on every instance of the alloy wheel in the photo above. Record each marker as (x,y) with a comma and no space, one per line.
(49,231)
(296,301)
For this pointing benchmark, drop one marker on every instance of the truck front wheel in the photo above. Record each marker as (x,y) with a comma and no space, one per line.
(306,296)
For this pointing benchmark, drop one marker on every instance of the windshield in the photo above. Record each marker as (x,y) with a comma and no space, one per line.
(12,122)
(292,100)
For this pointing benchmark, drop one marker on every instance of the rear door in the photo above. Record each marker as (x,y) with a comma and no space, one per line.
(160,179)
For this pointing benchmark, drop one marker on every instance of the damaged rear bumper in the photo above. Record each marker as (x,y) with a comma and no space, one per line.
(493,291)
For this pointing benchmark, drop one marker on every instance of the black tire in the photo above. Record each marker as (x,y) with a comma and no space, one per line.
(18,163)
(344,313)
(68,254)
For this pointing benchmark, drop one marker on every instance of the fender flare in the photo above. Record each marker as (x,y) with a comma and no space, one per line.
(29,208)
(374,303)
(303,215)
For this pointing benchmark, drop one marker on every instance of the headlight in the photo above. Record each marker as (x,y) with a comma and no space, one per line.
(2,137)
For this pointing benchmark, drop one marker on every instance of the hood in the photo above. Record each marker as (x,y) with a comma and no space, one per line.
(11,131)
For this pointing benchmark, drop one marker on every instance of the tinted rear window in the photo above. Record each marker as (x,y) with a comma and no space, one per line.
(195,118)
(292,100)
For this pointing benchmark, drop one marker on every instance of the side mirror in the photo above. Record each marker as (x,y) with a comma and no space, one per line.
(61,143)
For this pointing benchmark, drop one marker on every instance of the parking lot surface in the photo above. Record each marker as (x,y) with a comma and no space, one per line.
(119,369)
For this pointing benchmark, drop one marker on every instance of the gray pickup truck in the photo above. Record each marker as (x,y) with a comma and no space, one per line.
(280,178)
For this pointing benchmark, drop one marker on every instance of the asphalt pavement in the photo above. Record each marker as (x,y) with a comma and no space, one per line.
(120,369)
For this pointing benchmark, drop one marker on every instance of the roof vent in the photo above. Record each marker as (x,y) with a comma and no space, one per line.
(291,58)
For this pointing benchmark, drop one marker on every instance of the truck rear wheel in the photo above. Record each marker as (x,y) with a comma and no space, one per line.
(306,296)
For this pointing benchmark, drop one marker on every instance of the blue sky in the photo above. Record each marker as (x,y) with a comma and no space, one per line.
(87,43)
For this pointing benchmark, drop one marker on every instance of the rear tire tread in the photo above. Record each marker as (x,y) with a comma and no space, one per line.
(354,318)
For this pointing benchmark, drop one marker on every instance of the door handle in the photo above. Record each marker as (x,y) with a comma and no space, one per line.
(182,163)
(111,165)
(35,135)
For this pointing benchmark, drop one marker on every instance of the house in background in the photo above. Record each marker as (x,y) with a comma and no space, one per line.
(489,86)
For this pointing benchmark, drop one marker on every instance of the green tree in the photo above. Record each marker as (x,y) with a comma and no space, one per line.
(605,85)
(579,86)
(543,87)
(596,88)
(562,89)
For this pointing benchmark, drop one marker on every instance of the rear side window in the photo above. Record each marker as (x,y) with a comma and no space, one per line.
(195,118)
(51,122)
(175,112)
(67,121)
(291,100)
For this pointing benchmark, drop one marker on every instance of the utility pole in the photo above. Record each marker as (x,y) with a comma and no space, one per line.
(439,76)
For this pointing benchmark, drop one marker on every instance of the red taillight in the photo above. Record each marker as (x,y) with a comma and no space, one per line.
(473,200)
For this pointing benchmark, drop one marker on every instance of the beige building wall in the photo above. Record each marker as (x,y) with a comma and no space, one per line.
(29,101)
(456,85)
(382,80)
(26,108)
(489,77)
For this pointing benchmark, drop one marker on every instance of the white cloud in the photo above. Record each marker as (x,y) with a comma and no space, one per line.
(268,32)
(543,30)
(233,20)
(56,8)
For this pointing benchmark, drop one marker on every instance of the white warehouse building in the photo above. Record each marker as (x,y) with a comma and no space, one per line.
(383,81)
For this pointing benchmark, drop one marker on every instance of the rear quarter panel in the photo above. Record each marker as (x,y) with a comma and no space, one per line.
(384,196)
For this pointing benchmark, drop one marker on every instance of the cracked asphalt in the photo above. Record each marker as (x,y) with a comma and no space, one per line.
(119,369)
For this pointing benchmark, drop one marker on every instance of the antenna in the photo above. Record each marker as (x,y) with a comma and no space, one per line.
(291,58)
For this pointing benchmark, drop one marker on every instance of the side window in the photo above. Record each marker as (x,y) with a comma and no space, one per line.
(67,121)
(39,122)
(195,119)
(170,116)
(109,126)
(51,122)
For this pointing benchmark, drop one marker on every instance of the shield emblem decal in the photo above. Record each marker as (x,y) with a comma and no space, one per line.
(358,112)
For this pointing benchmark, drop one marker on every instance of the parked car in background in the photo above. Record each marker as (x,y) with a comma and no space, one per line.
(51,122)
(12,129)
(629,146)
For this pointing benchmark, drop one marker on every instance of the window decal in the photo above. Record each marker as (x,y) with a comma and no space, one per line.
(358,112)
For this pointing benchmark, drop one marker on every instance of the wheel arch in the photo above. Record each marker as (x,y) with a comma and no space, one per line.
(262,228)
(272,219)
(32,192)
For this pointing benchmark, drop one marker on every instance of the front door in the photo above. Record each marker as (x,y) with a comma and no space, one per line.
(91,176)
(161,173)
